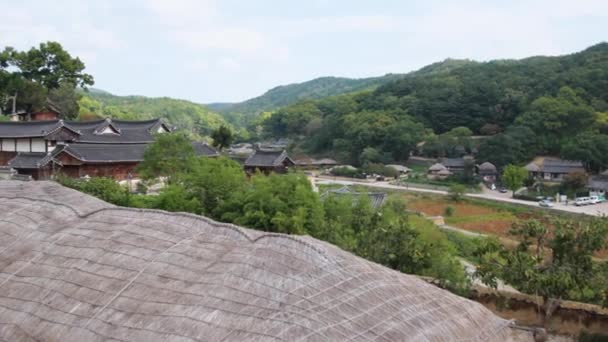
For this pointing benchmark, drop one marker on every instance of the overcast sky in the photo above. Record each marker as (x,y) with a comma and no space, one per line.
(231,50)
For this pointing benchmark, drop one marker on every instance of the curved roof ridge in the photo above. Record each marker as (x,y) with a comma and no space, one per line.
(229,226)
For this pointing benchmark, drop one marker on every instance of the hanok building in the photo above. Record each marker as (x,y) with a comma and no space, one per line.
(50,111)
(456,165)
(104,148)
(598,185)
(202,149)
(553,169)
(268,161)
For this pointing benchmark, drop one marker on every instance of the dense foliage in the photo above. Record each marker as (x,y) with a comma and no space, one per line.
(554,263)
(219,188)
(244,112)
(538,105)
(31,78)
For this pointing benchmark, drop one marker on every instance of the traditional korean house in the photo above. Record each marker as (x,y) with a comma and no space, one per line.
(268,161)
(598,185)
(553,169)
(438,171)
(109,148)
(204,150)
(50,111)
(454,165)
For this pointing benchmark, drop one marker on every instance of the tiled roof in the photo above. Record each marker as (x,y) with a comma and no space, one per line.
(453,162)
(33,160)
(130,132)
(598,183)
(554,165)
(28,129)
(203,149)
(106,153)
(264,158)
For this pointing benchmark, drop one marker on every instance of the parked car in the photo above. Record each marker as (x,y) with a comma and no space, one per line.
(503,190)
(545,203)
(594,199)
(582,201)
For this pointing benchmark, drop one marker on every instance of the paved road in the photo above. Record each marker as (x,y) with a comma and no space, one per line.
(596,210)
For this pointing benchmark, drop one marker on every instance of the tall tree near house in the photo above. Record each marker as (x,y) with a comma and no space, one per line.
(170,155)
(50,65)
(514,177)
(222,137)
(554,265)
(47,71)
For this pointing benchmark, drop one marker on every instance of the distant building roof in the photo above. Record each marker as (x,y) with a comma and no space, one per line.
(599,182)
(554,165)
(400,168)
(203,149)
(487,168)
(324,161)
(266,158)
(453,162)
(98,131)
(29,129)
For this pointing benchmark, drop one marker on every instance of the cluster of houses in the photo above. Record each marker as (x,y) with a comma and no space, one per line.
(545,169)
(40,145)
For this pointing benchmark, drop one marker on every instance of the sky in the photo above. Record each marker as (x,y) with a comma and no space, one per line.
(230,50)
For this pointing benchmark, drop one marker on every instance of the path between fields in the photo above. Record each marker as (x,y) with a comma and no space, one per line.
(594,210)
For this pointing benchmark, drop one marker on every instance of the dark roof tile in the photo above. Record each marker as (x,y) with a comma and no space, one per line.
(265,158)
(106,153)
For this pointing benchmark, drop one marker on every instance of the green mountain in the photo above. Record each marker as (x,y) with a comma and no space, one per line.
(545,105)
(242,112)
(182,114)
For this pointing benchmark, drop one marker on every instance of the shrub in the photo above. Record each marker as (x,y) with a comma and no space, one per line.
(457,192)
(449,211)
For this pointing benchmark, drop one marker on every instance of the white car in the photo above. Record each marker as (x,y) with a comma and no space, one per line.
(582,201)
(594,200)
(545,203)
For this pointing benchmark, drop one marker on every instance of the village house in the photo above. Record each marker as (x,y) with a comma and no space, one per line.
(598,185)
(49,111)
(553,169)
(488,172)
(203,149)
(403,170)
(268,161)
(311,163)
(438,171)
(108,148)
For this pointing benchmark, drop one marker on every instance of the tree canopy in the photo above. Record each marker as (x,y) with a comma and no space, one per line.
(37,75)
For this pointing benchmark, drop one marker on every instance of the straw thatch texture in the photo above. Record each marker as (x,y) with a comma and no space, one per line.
(73,268)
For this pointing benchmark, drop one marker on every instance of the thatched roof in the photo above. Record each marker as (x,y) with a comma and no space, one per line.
(74,268)
(437,167)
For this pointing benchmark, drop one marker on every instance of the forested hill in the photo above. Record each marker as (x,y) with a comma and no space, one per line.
(287,94)
(182,114)
(538,105)
(242,112)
